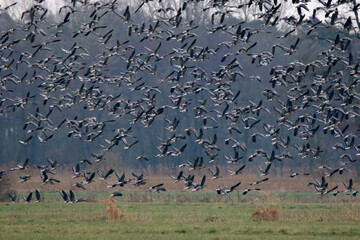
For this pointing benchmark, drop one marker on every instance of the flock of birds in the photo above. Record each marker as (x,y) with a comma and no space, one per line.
(309,99)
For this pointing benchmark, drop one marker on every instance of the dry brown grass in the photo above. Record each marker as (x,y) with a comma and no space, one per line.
(266,213)
(350,212)
(344,213)
(273,210)
(347,212)
(112,210)
(323,217)
(113,213)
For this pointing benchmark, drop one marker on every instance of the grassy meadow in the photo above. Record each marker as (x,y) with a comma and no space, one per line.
(175,215)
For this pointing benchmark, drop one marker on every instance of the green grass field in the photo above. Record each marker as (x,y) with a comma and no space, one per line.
(194,216)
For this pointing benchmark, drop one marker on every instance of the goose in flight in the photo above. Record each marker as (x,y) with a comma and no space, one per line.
(178,178)
(37,195)
(157,188)
(21,166)
(45,178)
(64,196)
(76,171)
(88,179)
(266,171)
(216,173)
(349,186)
(73,199)
(121,181)
(116,194)
(71,196)
(226,190)
(198,186)
(25,177)
(139,179)
(250,189)
(238,171)
(13,197)
(320,185)
(28,198)
(260,181)
(79,185)
(2,173)
(299,174)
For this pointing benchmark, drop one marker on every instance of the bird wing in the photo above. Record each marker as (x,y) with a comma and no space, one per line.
(267,168)
(135,175)
(158,185)
(234,186)
(109,173)
(26,163)
(118,176)
(183,148)
(241,168)
(77,168)
(180,175)
(100,173)
(91,177)
(37,194)
(217,171)
(72,196)
(28,199)
(64,195)
(265,179)
(203,180)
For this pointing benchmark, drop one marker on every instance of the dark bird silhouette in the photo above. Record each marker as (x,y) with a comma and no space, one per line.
(226,190)
(21,166)
(260,181)
(28,198)
(37,195)
(266,171)
(76,171)
(13,197)
(46,179)
(89,179)
(198,186)
(178,178)
(157,188)
(64,195)
(2,173)
(216,173)
(107,175)
(116,194)
(299,174)
(238,171)
(139,179)
(349,186)
(79,185)
(250,189)
(26,141)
